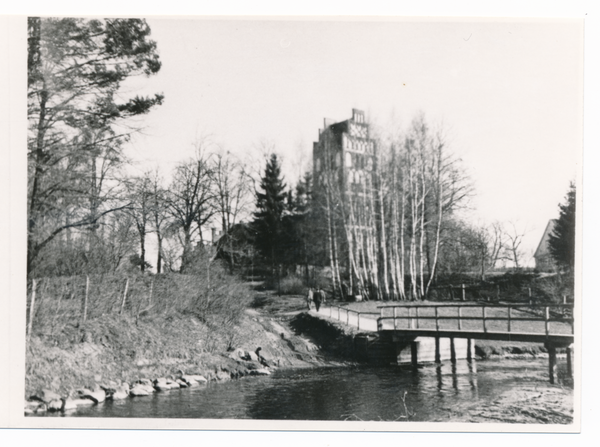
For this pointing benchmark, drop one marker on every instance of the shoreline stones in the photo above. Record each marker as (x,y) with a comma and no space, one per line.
(48,400)
(98,395)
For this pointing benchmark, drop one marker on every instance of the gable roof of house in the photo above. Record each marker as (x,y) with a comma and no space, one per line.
(543,249)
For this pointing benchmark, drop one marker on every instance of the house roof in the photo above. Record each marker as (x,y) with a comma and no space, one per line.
(543,249)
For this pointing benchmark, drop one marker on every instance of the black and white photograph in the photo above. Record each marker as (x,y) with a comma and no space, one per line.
(313,223)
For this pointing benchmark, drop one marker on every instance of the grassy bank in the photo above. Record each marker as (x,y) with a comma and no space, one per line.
(165,325)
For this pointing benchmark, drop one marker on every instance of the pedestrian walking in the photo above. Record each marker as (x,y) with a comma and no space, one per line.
(318,298)
(309,299)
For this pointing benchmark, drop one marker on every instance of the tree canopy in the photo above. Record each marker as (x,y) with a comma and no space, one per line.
(78,118)
(270,204)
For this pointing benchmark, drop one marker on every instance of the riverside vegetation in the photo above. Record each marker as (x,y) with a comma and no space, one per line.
(110,336)
(186,333)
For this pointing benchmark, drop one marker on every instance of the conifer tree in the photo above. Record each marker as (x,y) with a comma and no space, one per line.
(270,203)
(79,120)
(562,240)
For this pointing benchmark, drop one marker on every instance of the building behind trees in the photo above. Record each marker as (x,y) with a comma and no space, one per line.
(381,206)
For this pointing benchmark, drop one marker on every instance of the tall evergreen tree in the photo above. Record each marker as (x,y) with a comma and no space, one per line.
(270,203)
(562,240)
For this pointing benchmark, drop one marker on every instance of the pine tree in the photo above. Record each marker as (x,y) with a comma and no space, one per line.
(562,240)
(78,120)
(270,203)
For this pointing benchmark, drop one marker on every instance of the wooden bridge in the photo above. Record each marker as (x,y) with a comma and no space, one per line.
(551,325)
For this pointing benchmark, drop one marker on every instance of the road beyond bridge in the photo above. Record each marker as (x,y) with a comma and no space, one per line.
(400,325)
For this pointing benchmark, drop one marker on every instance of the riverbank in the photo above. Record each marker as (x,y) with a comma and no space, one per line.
(111,353)
(117,352)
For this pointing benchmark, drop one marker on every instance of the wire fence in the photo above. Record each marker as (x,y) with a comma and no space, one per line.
(53,303)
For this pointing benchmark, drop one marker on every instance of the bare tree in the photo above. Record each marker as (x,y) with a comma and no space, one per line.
(232,187)
(140,209)
(191,202)
(159,215)
(513,250)
(488,245)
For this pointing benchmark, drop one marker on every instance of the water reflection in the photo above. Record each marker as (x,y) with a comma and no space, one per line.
(429,393)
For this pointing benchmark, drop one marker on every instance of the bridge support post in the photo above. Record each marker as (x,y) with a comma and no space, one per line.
(452,350)
(570,361)
(414,353)
(551,362)
(469,349)
(437,350)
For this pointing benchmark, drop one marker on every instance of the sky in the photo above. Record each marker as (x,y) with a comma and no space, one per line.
(508,92)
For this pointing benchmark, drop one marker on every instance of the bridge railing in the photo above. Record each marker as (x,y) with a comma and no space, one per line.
(529,319)
(343,314)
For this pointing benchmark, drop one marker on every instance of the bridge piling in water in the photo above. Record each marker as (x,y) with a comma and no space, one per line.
(426,333)
(414,353)
(551,362)
(570,361)
(469,349)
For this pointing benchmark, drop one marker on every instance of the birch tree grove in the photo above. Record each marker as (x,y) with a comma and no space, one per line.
(390,215)
(421,185)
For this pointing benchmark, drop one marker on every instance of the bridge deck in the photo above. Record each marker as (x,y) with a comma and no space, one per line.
(530,323)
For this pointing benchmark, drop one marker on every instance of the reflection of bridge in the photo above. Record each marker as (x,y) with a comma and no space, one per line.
(551,325)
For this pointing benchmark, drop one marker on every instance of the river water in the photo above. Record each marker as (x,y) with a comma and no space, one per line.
(431,393)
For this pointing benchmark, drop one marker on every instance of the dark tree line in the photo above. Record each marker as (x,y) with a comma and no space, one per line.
(562,240)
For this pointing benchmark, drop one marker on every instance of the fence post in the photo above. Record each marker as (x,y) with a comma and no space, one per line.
(348,317)
(459,318)
(151,288)
(509,319)
(394,318)
(463,292)
(484,327)
(437,323)
(124,296)
(417,315)
(85,298)
(497,292)
(547,320)
(31,308)
(358,320)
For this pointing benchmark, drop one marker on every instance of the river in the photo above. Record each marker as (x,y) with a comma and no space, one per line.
(431,393)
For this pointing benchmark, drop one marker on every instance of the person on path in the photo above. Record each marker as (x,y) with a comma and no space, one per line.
(317,298)
(309,299)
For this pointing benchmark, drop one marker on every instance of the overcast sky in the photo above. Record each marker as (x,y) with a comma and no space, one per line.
(509,93)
